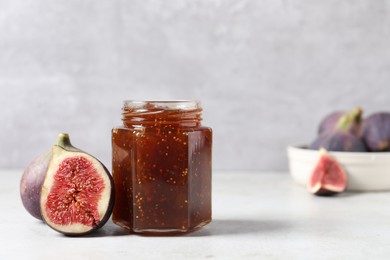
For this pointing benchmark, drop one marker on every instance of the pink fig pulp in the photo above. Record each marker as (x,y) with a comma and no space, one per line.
(328,176)
(77,194)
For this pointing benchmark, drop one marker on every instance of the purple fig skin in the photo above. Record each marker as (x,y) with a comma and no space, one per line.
(344,136)
(376,132)
(329,122)
(31,183)
(352,121)
(339,141)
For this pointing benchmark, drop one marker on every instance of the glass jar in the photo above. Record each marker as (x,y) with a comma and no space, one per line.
(161,164)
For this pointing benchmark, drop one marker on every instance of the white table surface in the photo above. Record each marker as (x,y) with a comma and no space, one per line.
(255,216)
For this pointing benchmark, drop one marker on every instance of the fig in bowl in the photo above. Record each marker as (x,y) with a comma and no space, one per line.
(342,136)
(376,132)
(330,121)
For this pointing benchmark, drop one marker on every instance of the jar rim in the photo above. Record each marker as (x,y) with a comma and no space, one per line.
(165,104)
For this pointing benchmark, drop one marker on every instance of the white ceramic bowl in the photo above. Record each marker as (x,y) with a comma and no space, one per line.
(366,171)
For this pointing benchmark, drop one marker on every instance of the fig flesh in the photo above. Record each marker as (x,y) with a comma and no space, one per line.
(328,177)
(342,137)
(376,132)
(77,193)
(31,183)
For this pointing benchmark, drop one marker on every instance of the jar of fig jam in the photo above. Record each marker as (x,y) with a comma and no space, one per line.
(161,164)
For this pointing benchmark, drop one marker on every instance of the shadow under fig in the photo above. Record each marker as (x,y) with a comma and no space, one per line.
(109,230)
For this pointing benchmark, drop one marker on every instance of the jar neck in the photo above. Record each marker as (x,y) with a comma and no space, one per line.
(156,113)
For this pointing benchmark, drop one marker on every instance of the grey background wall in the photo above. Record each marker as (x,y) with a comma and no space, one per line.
(265,71)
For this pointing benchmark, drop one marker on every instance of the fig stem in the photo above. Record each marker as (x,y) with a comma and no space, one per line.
(323,151)
(347,121)
(63,140)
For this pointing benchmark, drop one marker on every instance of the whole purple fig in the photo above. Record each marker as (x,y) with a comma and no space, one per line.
(341,137)
(330,121)
(376,132)
(339,141)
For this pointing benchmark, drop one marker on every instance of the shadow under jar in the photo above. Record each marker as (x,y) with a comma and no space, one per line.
(161,164)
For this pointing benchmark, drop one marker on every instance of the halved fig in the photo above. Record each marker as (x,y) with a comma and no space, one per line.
(77,194)
(328,177)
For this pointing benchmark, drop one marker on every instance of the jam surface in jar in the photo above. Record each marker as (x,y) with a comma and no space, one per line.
(162,167)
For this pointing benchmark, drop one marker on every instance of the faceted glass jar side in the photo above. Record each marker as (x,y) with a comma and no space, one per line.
(162,171)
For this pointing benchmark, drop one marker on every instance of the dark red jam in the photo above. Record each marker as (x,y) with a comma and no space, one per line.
(162,167)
